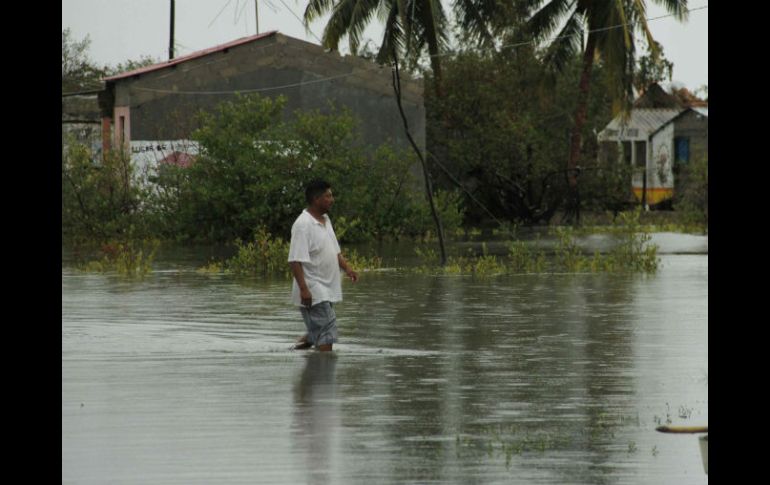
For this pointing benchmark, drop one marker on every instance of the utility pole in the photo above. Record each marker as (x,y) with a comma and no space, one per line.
(171,38)
(256,12)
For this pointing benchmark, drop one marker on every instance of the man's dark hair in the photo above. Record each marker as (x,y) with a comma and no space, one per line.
(316,188)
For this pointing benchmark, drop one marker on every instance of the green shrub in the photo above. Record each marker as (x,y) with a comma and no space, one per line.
(264,256)
(691,192)
(569,257)
(268,255)
(361,263)
(251,172)
(102,201)
(631,252)
(522,259)
(253,168)
(131,258)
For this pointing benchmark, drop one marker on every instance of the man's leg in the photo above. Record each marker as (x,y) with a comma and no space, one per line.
(321,323)
(328,335)
(302,343)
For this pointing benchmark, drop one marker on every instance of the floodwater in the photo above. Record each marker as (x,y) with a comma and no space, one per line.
(186,378)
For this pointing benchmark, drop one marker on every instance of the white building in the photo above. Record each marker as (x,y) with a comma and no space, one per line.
(655,141)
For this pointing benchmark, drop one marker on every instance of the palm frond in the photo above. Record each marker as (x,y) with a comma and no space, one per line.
(622,19)
(472,17)
(676,7)
(567,44)
(360,17)
(547,19)
(339,24)
(618,51)
(317,8)
(392,38)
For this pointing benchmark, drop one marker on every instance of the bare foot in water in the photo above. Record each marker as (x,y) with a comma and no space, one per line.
(302,343)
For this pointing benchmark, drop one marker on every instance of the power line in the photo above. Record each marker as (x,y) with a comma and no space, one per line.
(239,14)
(301,21)
(234,91)
(602,29)
(515,45)
(272,7)
(220,13)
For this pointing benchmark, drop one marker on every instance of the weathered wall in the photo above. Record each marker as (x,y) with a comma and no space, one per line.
(660,158)
(81,121)
(157,113)
(695,126)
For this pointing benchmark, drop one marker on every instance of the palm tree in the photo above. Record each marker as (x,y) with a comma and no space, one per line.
(609,26)
(411,26)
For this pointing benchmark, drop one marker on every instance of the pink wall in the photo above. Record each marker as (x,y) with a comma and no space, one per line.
(122,124)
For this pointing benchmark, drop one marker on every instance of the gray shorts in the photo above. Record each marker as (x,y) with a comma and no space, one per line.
(321,323)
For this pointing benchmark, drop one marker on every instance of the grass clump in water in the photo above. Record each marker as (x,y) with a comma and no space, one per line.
(522,259)
(268,255)
(129,258)
(480,266)
(265,255)
(632,252)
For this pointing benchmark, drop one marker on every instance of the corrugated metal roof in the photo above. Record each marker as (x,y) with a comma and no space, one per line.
(640,124)
(194,55)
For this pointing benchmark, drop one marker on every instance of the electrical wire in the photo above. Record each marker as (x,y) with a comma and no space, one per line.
(515,45)
(220,13)
(602,29)
(301,21)
(236,91)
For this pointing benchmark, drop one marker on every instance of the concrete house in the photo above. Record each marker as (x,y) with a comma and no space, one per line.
(150,111)
(664,131)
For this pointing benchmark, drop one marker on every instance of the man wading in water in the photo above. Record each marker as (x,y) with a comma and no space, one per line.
(315,259)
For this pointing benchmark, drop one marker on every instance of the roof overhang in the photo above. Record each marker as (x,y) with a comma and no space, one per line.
(189,57)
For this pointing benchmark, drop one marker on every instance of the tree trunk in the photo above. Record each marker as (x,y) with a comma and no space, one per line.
(426,174)
(435,64)
(573,197)
(433,51)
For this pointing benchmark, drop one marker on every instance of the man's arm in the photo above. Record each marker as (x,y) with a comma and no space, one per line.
(346,268)
(299,275)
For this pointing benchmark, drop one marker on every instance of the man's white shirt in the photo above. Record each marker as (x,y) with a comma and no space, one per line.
(315,246)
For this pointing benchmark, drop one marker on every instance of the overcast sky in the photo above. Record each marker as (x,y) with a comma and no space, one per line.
(129,29)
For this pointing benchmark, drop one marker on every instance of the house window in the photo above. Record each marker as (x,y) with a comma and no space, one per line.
(682,149)
(627,152)
(640,147)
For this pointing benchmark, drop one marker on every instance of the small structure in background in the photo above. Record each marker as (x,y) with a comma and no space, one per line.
(663,132)
(151,110)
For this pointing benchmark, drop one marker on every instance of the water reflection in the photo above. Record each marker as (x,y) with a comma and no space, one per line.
(316,418)
(517,379)
(520,364)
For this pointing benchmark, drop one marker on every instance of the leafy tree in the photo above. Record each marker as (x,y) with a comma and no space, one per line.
(691,191)
(703,92)
(253,168)
(411,27)
(652,68)
(131,64)
(608,27)
(502,130)
(101,201)
(78,72)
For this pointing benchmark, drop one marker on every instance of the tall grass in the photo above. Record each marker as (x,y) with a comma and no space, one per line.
(129,258)
(631,252)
